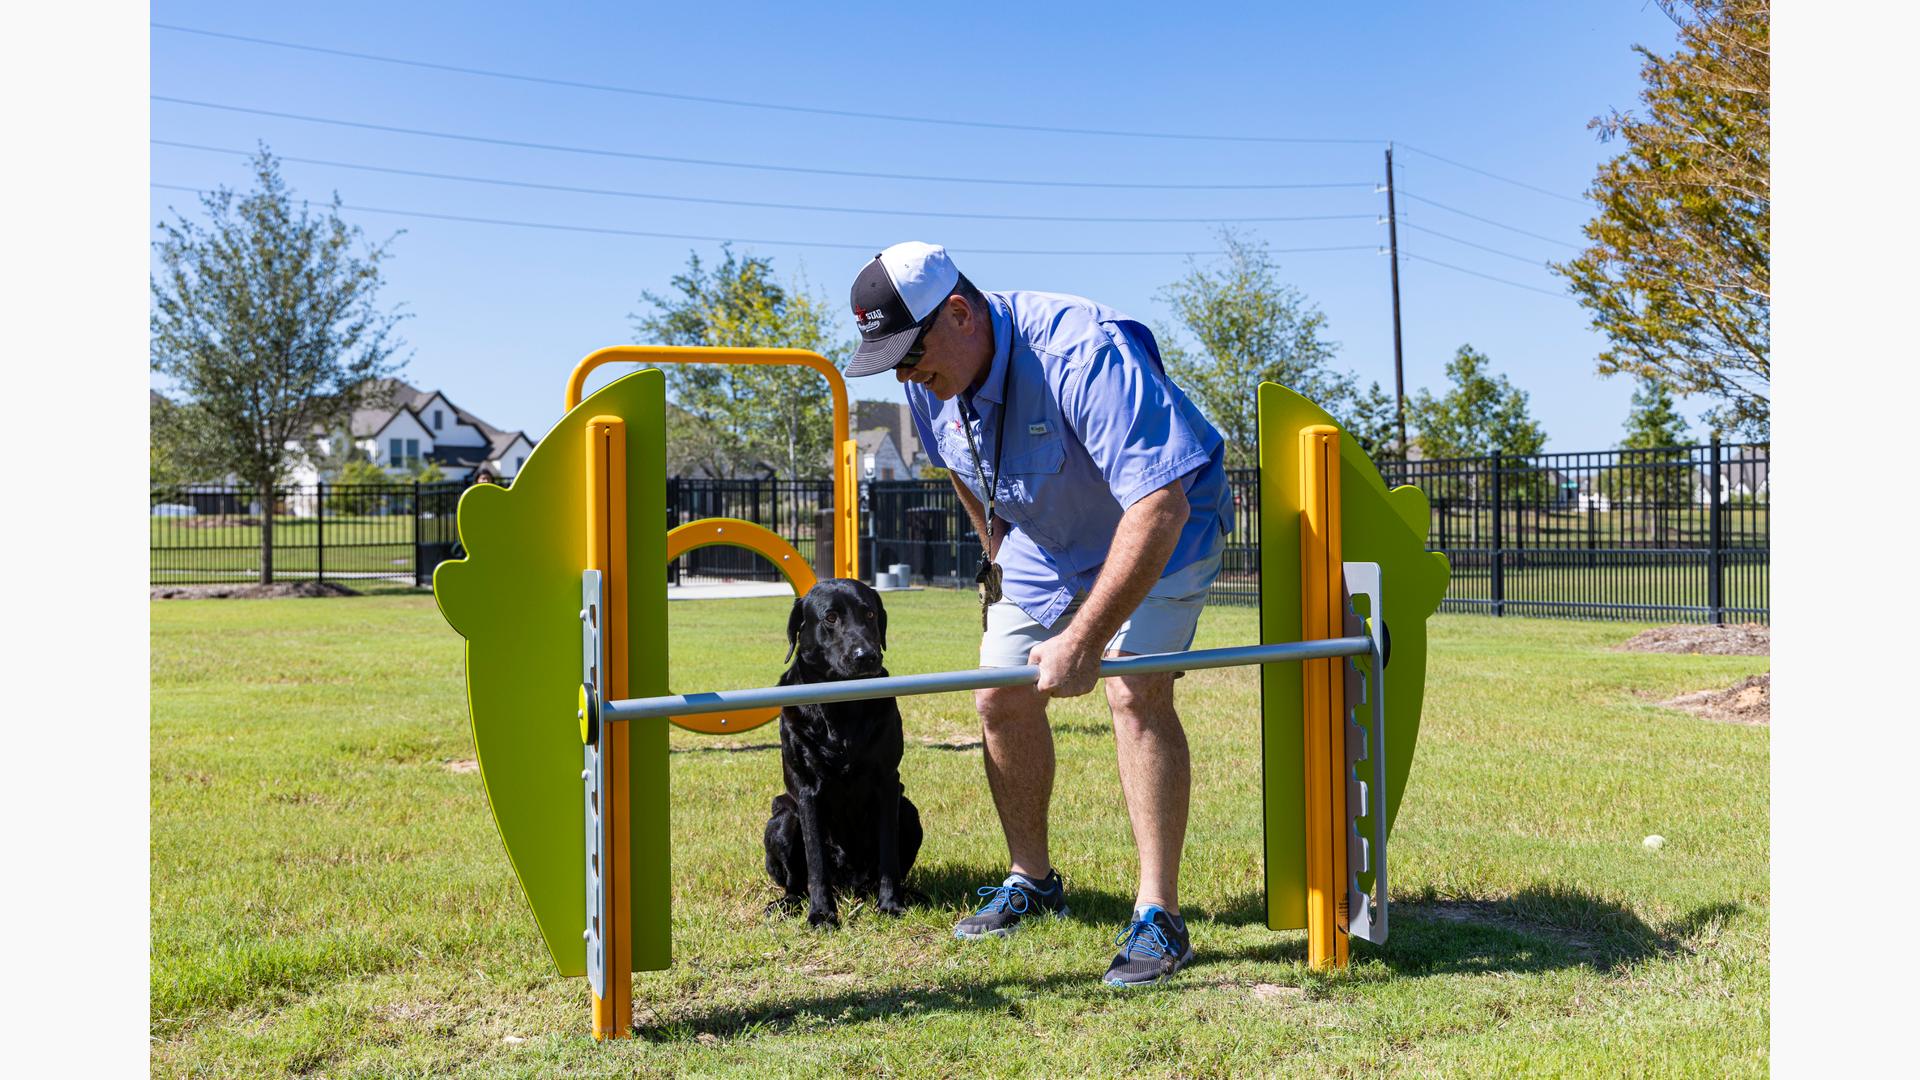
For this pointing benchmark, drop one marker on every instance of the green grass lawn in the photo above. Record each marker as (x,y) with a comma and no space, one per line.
(329,895)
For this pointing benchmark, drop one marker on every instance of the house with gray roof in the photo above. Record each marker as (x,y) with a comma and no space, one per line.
(408,425)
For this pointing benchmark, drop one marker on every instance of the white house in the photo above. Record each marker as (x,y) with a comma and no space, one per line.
(879,458)
(896,418)
(412,425)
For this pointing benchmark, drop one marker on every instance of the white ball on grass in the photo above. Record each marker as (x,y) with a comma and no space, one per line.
(1654,842)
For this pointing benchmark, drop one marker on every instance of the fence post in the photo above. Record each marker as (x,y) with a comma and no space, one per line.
(1716,569)
(266,534)
(1498,582)
(416,534)
(867,514)
(673,522)
(320,529)
(1593,538)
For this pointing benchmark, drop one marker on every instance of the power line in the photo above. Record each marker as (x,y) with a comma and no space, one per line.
(599,152)
(1486,221)
(740,103)
(603,230)
(761,205)
(1536,263)
(1495,176)
(1478,274)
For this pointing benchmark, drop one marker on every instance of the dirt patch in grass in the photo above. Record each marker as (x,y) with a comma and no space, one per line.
(1739,639)
(250,591)
(411,1012)
(468,765)
(1748,701)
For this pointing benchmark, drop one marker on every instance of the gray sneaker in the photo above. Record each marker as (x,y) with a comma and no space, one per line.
(1152,948)
(1010,901)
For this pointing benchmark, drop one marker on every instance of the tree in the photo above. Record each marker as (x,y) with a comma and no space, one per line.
(264,315)
(1678,272)
(177,443)
(362,486)
(1374,423)
(733,418)
(1482,413)
(1250,327)
(1653,472)
(1654,421)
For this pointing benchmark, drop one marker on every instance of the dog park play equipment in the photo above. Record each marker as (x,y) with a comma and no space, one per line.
(562,602)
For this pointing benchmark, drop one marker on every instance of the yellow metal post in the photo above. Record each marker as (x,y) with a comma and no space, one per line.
(606,450)
(1321,604)
(846,522)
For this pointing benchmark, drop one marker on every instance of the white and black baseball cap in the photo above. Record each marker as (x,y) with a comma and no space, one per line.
(893,299)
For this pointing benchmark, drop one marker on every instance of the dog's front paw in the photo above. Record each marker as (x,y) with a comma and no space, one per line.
(892,905)
(823,917)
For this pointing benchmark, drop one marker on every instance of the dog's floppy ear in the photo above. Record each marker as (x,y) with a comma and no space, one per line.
(793,626)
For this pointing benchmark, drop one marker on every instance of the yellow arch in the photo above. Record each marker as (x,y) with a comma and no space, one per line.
(846,475)
(708,532)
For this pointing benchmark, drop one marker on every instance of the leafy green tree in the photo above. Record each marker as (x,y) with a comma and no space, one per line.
(1654,472)
(1678,274)
(1374,422)
(1480,414)
(1654,420)
(265,315)
(362,486)
(1249,327)
(179,445)
(734,418)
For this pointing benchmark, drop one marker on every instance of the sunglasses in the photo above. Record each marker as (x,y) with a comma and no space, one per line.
(918,349)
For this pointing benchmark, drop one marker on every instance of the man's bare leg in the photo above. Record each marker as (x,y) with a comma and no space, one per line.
(1019,755)
(1156,776)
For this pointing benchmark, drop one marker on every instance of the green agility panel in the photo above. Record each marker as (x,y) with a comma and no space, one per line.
(515,598)
(1379,526)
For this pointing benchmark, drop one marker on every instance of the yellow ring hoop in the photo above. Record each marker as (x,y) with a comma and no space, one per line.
(764,542)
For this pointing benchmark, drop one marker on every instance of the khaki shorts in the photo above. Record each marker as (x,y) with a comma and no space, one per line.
(1164,621)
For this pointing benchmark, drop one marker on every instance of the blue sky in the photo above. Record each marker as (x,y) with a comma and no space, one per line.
(500,313)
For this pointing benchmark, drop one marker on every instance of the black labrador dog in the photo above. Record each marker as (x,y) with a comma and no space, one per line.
(844,821)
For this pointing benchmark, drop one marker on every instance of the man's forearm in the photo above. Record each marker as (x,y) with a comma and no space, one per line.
(977,512)
(1142,544)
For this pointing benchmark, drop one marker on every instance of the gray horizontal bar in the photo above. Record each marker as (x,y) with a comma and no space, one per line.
(973,679)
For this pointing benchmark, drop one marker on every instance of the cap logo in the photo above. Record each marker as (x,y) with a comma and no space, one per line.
(869,319)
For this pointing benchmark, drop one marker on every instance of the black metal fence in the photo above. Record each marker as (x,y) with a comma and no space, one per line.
(1672,534)
(210,534)
(1676,534)
(791,508)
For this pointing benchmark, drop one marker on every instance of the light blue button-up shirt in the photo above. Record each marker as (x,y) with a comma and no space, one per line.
(1093,425)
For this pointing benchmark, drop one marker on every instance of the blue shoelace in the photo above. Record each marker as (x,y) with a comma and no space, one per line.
(1146,936)
(1001,898)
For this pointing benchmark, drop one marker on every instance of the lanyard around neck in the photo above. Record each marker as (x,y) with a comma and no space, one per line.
(999,443)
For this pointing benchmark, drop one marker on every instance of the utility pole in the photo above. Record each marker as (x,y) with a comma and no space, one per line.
(1393,253)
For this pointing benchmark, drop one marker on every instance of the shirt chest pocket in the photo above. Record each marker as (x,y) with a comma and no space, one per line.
(1038,457)
(1030,469)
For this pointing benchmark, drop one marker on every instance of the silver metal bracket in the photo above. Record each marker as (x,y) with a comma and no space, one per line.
(1366,913)
(594,776)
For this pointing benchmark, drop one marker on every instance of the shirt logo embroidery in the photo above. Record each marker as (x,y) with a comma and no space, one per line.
(1037,429)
